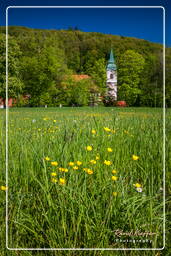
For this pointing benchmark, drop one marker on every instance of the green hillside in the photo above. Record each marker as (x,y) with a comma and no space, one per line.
(41,60)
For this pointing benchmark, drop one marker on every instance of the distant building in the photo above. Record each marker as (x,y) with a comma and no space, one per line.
(3,102)
(80,77)
(111,78)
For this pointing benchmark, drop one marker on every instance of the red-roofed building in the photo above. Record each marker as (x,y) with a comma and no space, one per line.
(80,77)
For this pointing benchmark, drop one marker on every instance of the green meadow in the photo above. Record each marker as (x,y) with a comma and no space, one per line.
(83,178)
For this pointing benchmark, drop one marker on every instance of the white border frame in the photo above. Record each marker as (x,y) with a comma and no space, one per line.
(7,113)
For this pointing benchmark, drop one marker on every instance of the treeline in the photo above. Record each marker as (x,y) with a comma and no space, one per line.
(42,62)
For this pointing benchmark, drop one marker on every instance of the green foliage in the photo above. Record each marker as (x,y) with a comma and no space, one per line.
(15,83)
(98,73)
(39,59)
(42,71)
(76,93)
(130,67)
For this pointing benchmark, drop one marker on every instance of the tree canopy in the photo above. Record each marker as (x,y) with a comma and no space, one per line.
(40,60)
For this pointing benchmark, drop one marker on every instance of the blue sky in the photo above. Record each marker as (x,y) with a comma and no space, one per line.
(144,23)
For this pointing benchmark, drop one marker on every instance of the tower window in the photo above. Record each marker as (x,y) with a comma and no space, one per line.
(111,76)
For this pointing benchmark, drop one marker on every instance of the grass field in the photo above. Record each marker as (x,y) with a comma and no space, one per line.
(76,175)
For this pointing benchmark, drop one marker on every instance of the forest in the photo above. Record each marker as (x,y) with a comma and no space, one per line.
(42,65)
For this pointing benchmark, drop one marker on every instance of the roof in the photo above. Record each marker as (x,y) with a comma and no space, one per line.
(111,62)
(80,77)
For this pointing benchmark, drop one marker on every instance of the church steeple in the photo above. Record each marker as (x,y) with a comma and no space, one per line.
(111,62)
(111,81)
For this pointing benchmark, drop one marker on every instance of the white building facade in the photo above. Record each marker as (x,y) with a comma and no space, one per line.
(111,78)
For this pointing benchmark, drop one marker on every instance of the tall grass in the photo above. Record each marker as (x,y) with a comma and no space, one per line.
(84,212)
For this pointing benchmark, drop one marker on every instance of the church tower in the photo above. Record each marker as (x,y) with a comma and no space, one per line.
(111,78)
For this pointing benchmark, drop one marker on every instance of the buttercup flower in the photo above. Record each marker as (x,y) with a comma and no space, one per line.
(109,149)
(75,167)
(89,171)
(62,181)
(61,169)
(54,163)
(114,178)
(107,129)
(106,162)
(89,148)
(3,188)
(134,157)
(47,158)
(115,193)
(53,174)
(93,131)
(71,163)
(97,157)
(114,171)
(93,161)
(79,163)
(137,185)
(54,180)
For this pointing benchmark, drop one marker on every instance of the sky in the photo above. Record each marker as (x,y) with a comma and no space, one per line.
(143,23)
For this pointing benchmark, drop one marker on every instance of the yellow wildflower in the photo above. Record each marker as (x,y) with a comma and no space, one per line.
(61,169)
(79,163)
(85,169)
(114,178)
(93,131)
(65,170)
(89,171)
(114,171)
(137,185)
(107,129)
(71,163)
(54,163)
(115,193)
(54,180)
(53,174)
(106,162)
(47,158)
(97,157)
(3,188)
(75,167)
(54,121)
(62,181)
(134,157)
(109,149)
(93,161)
(89,148)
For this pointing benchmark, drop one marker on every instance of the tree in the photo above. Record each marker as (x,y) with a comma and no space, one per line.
(15,84)
(98,74)
(151,82)
(130,67)
(42,72)
(76,93)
